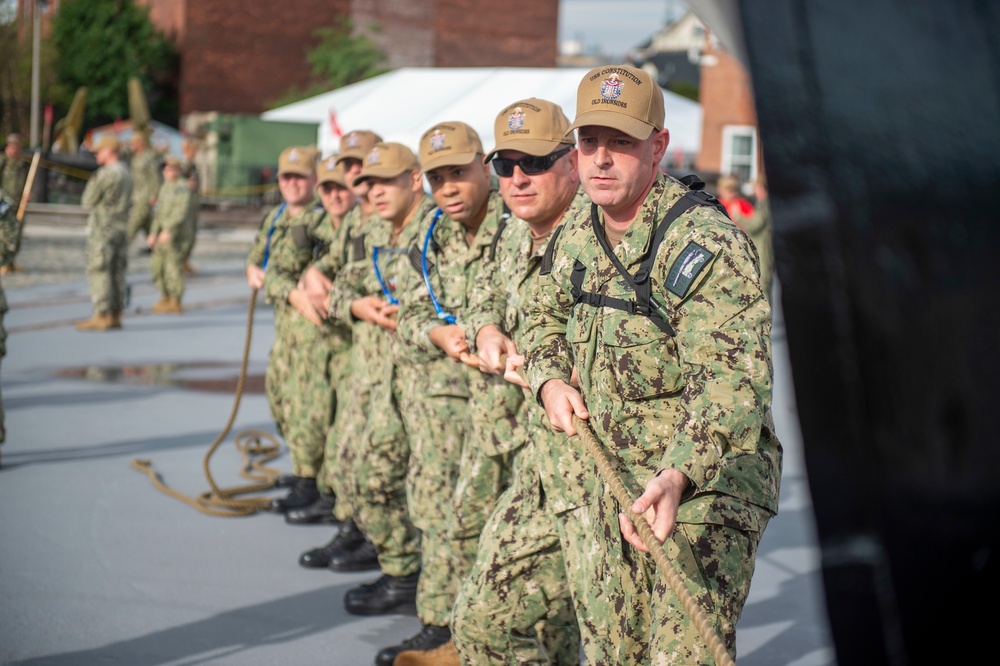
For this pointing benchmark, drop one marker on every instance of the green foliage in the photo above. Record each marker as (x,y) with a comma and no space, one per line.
(341,58)
(101,43)
(15,78)
(684,89)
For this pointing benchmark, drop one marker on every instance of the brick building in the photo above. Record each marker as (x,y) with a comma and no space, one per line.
(236,56)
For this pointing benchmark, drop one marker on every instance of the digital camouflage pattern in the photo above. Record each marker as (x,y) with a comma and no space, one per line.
(297,380)
(759,228)
(520,574)
(8,248)
(13,175)
(376,462)
(171,212)
(146,181)
(698,402)
(189,172)
(107,195)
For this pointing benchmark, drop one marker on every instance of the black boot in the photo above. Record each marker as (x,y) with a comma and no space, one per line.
(428,638)
(319,512)
(303,493)
(389,594)
(360,558)
(348,537)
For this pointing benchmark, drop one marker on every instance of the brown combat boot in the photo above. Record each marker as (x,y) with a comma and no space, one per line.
(173,306)
(99,322)
(444,655)
(160,304)
(116,319)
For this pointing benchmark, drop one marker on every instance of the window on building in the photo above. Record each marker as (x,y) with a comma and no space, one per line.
(739,152)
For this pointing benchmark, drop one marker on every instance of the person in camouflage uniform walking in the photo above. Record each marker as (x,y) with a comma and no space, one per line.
(375,463)
(297,383)
(338,201)
(144,166)
(189,171)
(655,299)
(8,248)
(13,175)
(352,414)
(519,579)
(168,236)
(107,195)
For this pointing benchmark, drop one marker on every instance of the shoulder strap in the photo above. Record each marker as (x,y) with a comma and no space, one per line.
(504,219)
(546,266)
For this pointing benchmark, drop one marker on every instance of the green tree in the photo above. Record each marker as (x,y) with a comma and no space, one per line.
(341,58)
(101,43)
(15,75)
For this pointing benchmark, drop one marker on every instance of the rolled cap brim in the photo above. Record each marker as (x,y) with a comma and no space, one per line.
(449,159)
(632,126)
(537,147)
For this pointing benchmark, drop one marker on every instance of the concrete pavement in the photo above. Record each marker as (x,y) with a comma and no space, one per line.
(98,567)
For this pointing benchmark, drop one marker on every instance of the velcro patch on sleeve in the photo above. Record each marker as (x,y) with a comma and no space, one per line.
(687,267)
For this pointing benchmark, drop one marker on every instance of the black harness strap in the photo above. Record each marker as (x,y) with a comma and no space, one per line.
(504,219)
(545,268)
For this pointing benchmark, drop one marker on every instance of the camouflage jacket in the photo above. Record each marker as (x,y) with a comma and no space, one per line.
(172,203)
(146,176)
(371,356)
(108,194)
(12,178)
(498,298)
(453,268)
(697,401)
(294,243)
(8,246)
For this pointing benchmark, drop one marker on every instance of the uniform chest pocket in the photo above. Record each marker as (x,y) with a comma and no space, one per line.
(301,237)
(642,359)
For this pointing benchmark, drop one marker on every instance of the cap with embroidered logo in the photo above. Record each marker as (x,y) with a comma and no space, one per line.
(533,126)
(357,144)
(449,144)
(387,160)
(623,98)
(299,160)
(331,171)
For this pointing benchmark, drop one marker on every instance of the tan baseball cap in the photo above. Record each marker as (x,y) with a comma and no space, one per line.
(357,144)
(14,137)
(533,126)
(299,160)
(172,161)
(331,171)
(109,141)
(449,144)
(621,97)
(387,160)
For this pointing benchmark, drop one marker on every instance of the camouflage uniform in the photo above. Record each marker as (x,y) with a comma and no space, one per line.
(190,172)
(351,365)
(297,380)
(107,194)
(697,401)
(759,228)
(531,540)
(146,180)
(172,203)
(8,248)
(375,463)
(13,176)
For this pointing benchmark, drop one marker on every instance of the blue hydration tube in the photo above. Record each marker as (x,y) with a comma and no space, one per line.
(378,273)
(270,232)
(448,318)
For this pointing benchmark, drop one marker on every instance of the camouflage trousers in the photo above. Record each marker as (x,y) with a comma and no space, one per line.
(516,607)
(378,462)
(629,615)
(340,372)
(435,426)
(348,427)
(106,265)
(167,268)
(192,226)
(3,352)
(297,383)
(140,216)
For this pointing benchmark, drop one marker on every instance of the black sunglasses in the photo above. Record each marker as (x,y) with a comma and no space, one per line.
(530,165)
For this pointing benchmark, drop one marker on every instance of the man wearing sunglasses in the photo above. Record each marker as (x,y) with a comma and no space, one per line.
(374,464)
(655,298)
(519,578)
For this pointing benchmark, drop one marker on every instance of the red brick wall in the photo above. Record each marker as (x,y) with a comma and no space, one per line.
(240,55)
(514,33)
(405,29)
(726,98)
(168,17)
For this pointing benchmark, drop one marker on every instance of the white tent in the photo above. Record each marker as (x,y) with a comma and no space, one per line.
(401,105)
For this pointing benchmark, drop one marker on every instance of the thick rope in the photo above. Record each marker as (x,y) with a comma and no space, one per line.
(222,502)
(610,476)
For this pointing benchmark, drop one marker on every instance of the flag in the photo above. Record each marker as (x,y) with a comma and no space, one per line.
(334,125)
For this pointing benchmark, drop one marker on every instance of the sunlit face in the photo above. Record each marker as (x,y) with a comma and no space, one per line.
(296,189)
(393,198)
(171,173)
(461,191)
(12,150)
(337,199)
(617,169)
(105,155)
(542,198)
